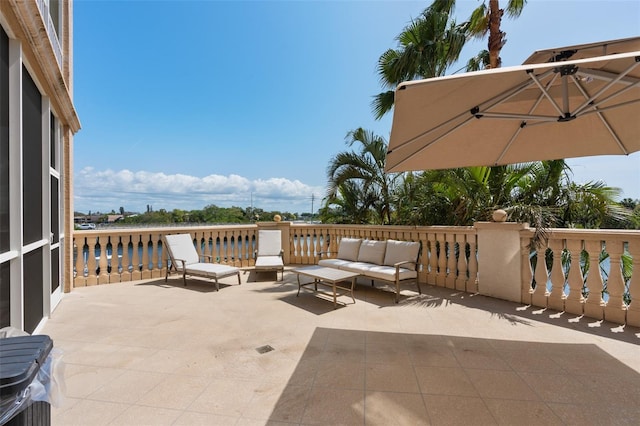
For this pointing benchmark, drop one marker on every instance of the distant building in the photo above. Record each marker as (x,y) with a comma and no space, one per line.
(37,123)
(111,218)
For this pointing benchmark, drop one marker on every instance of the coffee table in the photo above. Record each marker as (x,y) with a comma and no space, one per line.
(328,277)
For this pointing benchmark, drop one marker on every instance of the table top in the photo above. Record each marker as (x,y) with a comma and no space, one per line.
(325,273)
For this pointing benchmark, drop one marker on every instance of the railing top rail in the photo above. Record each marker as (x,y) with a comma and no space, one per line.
(588,234)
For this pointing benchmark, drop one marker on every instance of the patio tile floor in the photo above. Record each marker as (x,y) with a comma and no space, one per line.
(156,353)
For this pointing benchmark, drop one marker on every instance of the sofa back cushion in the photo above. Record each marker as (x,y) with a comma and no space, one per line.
(372,251)
(401,251)
(348,248)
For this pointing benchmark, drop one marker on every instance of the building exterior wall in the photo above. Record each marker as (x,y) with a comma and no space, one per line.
(37,124)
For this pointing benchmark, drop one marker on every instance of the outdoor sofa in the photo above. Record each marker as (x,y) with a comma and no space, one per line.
(391,261)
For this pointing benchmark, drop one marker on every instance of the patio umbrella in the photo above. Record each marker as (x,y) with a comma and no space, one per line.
(582,51)
(546,111)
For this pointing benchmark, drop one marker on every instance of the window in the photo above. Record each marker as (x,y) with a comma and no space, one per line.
(4,141)
(31,159)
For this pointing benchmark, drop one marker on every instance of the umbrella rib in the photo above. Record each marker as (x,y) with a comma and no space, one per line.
(613,95)
(598,111)
(519,116)
(525,123)
(546,94)
(607,86)
(605,76)
(433,141)
(491,103)
(506,148)
(515,91)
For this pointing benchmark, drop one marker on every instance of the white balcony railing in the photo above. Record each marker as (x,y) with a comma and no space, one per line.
(43,7)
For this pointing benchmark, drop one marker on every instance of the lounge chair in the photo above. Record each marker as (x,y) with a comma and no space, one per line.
(268,256)
(184,258)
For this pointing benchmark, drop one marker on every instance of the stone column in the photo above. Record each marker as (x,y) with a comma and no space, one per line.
(499,259)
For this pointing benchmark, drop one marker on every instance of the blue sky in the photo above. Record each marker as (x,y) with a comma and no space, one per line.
(189,103)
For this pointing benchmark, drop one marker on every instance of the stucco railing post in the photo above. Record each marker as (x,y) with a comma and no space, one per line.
(499,259)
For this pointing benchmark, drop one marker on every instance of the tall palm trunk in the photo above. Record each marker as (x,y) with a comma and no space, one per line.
(496,37)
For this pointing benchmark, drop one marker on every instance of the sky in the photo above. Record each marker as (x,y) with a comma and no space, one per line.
(187,103)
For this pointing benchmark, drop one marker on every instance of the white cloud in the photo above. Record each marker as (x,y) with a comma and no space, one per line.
(106,190)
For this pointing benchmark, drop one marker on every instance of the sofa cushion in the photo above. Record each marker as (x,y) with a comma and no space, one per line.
(333,263)
(348,249)
(388,273)
(401,251)
(372,251)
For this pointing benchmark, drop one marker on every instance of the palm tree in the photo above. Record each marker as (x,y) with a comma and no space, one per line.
(351,205)
(366,169)
(486,19)
(427,47)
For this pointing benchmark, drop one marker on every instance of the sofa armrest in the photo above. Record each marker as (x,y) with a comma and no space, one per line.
(405,262)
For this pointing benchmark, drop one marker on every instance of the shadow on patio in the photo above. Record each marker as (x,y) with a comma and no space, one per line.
(150,352)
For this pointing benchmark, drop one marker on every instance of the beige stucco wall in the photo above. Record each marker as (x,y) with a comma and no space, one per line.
(499,259)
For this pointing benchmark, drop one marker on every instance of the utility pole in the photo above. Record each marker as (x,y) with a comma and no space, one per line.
(313,197)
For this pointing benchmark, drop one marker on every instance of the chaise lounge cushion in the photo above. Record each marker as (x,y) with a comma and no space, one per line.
(211,270)
(349,248)
(400,251)
(269,262)
(372,251)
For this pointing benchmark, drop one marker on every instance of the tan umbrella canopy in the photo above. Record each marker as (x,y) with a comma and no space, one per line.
(545,111)
(582,51)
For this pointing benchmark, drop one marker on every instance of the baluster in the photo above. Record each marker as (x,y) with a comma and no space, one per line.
(574,303)
(433,259)
(227,248)
(472,285)
(79,279)
(135,258)
(295,255)
(615,308)
(557,296)
(461,278)
(305,247)
(594,305)
(441,273)
(633,311)
(237,253)
(423,267)
(247,248)
(253,242)
(145,273)
(101,248)
(163,258)
(238,247)
(526,271)
(451,272)
(126,259)
(333,244)
(319,242)
(540,293)
(91,279)
(217,248)
(156,269)
(111,268)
